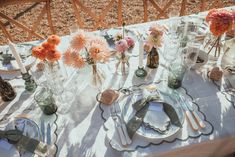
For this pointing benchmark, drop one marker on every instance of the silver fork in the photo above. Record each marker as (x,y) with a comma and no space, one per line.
(117,125)
(123,124)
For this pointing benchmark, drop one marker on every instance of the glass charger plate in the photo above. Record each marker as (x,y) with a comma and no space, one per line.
(29,128)
(143,137)
(12,67)
(145,130)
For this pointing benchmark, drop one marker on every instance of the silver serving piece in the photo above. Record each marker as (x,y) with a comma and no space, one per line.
(191,114)
(42,128)
(48,134)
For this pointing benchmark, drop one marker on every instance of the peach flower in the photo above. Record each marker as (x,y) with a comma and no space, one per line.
(154,40)
(79,40)
(156,30)
(147,47)
(67,57)
(99,40)
(78,61)
(99,52)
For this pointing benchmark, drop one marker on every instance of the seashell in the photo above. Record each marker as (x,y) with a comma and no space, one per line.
(215,74)
(108,96)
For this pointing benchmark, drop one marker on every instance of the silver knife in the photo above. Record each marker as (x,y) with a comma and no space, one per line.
(187,112)
(195,114)
(48,134)
(43,130)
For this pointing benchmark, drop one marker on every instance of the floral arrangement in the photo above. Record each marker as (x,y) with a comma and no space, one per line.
(95,49)
(87,50)
(220,21)
(121,40)
(47,50)
(154,39)
(122,44)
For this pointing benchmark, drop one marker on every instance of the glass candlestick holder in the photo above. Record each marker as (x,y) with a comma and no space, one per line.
(141,72)
(30,84)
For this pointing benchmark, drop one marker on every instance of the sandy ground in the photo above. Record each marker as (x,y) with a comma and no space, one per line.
(63,15)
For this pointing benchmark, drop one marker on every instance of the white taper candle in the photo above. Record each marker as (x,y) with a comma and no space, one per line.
(141,53)
(17,57)
(185,29)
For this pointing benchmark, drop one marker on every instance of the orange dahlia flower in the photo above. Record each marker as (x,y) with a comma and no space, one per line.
(48,46)
(53,39)
(220,21)
(53,55)
(39,52)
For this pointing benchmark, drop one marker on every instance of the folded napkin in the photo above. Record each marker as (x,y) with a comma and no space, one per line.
(142,106)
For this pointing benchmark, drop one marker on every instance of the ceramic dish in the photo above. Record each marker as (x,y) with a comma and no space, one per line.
(201,59)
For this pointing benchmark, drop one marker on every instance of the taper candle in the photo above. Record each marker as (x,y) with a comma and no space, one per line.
(141,53)
(17,57)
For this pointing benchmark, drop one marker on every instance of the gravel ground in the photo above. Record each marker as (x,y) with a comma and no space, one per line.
(63,15)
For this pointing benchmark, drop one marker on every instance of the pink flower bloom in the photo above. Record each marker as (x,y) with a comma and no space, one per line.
(130,42)
(79,40)
(121,45)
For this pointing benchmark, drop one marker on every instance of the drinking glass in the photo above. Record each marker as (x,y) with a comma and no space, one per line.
(176,74)
(44,99)
(171,48)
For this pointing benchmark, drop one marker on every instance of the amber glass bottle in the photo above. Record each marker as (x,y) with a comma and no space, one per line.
(6,91)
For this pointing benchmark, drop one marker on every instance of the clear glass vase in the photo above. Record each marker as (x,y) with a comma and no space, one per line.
(122,65)
(54,77)
(56,83)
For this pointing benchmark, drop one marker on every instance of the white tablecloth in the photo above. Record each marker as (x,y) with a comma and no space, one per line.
(81,132)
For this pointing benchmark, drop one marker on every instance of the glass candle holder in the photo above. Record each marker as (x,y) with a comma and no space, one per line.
(45,101)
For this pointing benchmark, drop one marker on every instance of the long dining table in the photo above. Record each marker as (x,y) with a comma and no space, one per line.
(82,131)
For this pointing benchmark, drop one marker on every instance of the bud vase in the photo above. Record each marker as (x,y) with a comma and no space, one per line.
(122,66)
(153,58)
